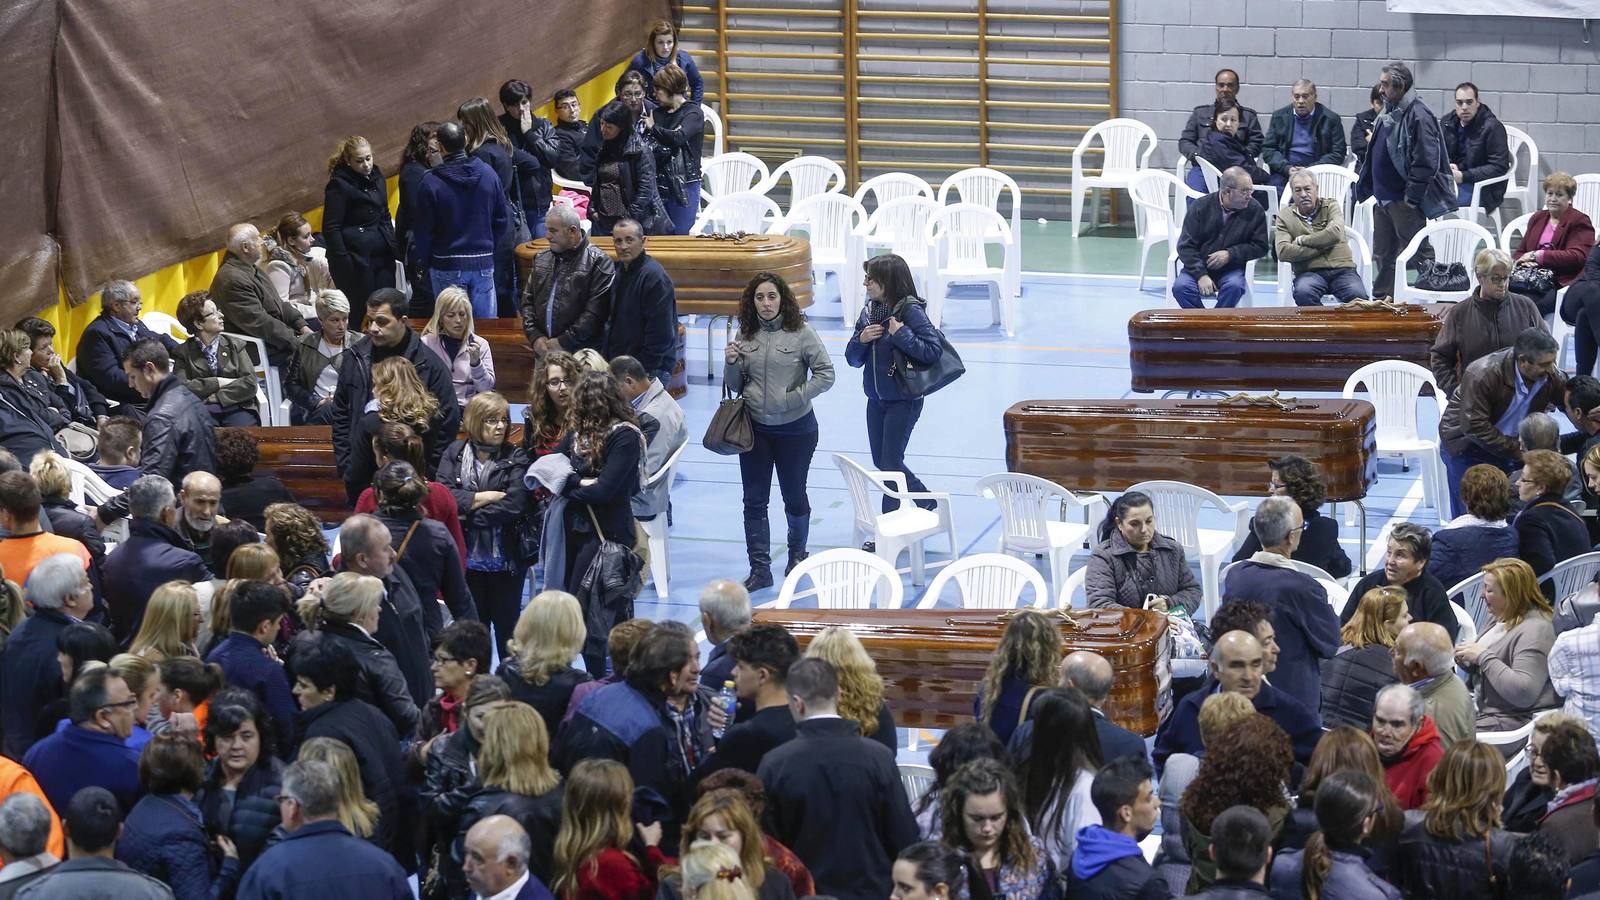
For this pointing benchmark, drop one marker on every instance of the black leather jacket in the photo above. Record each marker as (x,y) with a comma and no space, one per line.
(178,435)
(582,278)
(678,135)
(382,683)
(491,525)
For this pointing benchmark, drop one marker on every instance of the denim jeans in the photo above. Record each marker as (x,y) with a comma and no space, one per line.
(1457,466)
(791,455)
(478,283)
(683,216)
(1230,289)
(1344,284)
(889,425)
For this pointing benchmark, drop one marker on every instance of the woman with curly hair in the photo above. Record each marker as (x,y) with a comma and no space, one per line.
(860,685)
(1248,763)
(1015,862)
(398,398)
(1024,664)
(1346,749)
(421,154)
(294,532)
(356,225)
(1510,662)
(779,366)
(724,819)
(1297,478)
(1455,848)
(1351,679)
(544,419)
(396,442)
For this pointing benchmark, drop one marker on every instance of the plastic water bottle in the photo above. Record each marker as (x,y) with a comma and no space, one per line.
(728,702)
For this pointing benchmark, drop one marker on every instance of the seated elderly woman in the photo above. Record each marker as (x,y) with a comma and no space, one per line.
(1297,478)
(1488,320)
(1549,530)
(1509,663)
(314,366)
(1479,536)
(216,367)
(1558,239)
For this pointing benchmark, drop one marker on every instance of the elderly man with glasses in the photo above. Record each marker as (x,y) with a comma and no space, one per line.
(91,751)
(1221,233)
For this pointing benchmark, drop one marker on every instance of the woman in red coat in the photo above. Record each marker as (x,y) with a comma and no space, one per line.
(1557,238)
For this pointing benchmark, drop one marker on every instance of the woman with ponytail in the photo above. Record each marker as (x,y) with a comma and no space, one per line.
(397,442)
(935,871)
(1333,864)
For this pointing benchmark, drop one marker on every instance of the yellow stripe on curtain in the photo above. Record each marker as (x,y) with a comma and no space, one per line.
(163,289)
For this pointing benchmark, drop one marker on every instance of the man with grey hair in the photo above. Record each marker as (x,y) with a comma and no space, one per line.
(1303,134)
(1488,320)
(1541,431)
(496,863)
(724,609)
(1424,658)
(1092,676)
(27,828)
(1309,236)
(249,304)
(154,554)
(1408,743)
(318,857)
(1407,170)
(567,300)
(1221,233)
(644,305)
(107,339)
(1306,627)
(366,548)
(59,592)
(314,369)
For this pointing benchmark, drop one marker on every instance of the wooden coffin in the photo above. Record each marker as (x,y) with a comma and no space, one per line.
(1313,348)
(932,660)
(1113,444)
(709,274)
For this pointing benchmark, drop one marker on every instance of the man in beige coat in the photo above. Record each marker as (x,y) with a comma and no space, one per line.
(1422,657)
(1308,234)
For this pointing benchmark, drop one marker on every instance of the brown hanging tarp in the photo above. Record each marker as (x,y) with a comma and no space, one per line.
(139,130)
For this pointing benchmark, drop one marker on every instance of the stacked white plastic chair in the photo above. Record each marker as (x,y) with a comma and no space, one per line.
(833,223)
(986,186)
(655,530)
(714,129)
(880,189)
(1454,241)
(746,211)
(960,235)
(901,227)
(730,173)
(1127,146)
(808,176)
(1392,387)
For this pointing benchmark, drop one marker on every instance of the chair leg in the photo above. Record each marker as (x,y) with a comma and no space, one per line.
(660,572)
(918,564)
(1060,558)
(1208,585)
(1077,209)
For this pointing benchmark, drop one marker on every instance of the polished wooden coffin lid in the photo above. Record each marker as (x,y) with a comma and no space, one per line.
(709,275)
(1273,348)
(1114,444)
(932,660)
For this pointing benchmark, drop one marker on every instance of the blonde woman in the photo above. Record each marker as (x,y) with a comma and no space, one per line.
(548,636)
(1351,680)
(722,818)
(66,520)
(712,871)
(466,354)
(398,398)
(357,813)
(144,681)
(1025,663)
(591,857)
(171,625)
(860,686)
(515,779)
(347,613)
(1510,661)
(356,225)
(248,562)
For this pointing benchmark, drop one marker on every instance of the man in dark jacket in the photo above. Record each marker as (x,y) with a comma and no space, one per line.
(570,129)
(1302,134)
(1488,320)
(762,656)
(1582,406)
(535,136)
(256,609)
(1478,150)
(831,774)
(317,858)
(90,752)
(1496,392)
(1407,169)
(366,549)
(92,821)
(1306,627)
(106,340)
(1221,233)
(1108,864)
(644,306)
(1361,128)
(30,673)
(154,554)
(1199,124)
(1241,846)
(388,335)
(461,216)
(249,304)
(567,300)
(1092,675)
(1405,564)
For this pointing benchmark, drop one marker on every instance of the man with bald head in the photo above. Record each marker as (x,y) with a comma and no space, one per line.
(249,304)
(198,501)
(1221,233)
(1236,667)
(1424,658)
(1092,676)
(497,860)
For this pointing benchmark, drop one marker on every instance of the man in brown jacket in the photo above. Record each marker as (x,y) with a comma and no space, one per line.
(1309,235)
(1487,321)
(249,304)
(1496,392)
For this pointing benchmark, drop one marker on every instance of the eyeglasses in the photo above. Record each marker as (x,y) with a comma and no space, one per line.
(558,382)
(444,660)
(1497,279)
(126,704)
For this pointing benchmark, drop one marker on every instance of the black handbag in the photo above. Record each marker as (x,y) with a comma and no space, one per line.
(1531,280)
(1438,276)
(918,380)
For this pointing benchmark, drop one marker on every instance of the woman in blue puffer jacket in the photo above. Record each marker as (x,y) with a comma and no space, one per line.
(894,319)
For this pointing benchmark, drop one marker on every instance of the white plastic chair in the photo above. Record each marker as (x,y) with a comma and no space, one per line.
(899,530)
(1510,239)
(1361,218)
(1177,507)
(1073,589)
(1470,590)
(655,530)
(808,177)
(1128,144)
(745,211)
(88,488)
(985,186)
(1466,629)
(1518,189)
(162,323)
(1454,241)
(1517,737)
(713,129)
(901,227)
(728,173)
(1586,200)
(916,780)
(269,384)
(881,189)
(988,581)
(832,223)
(960,235)
(1571,575)
(1153,219)
(1393,386)
(1213,176)
(1026,522)
(843,578)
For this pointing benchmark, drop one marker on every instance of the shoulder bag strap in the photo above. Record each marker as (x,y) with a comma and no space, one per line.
(1027,701)
(1561,507)
(401,553)
(597,529)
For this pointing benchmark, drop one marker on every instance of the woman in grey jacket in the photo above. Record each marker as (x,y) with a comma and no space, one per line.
(1133,562)
(778,364)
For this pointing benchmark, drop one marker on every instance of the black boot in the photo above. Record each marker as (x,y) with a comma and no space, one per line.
(758,545)
(799,531)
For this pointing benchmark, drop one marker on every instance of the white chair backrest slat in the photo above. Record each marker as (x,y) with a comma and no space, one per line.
(1392,387)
